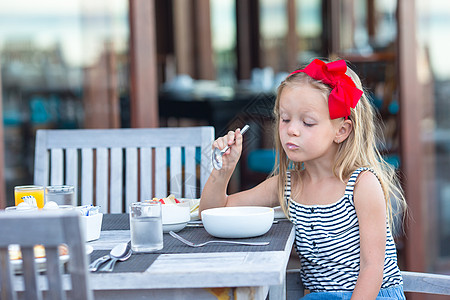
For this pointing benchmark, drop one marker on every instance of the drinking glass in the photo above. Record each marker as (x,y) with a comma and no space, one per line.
(32,194)
(146,226)
(61,194)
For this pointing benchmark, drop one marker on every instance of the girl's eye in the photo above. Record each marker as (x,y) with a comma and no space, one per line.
(285,120)
(308,124)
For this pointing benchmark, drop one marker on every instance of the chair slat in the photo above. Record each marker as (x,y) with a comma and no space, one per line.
(426,283)
(206,150)
(145,174)
(87,176)
(131,177)
(55,290)
(6,292)
(101,177)
(116,181)
(72,170)
(160,172)
(190,184)
(175,172)
(77,266)
(134,137)
(41,159)
(29,271)
(56,172)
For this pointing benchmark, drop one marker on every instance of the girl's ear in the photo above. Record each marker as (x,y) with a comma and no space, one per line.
(344,131)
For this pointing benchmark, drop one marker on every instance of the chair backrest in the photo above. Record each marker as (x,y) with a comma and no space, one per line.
(115,167)
(49,229)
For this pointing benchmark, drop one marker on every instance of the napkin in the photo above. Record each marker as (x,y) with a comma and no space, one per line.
(194,203)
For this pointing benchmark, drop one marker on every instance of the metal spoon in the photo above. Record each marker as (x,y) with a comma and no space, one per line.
(217,153)
(120,252)
(96,263)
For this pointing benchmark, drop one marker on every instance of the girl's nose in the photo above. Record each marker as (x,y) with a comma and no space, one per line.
(293,130)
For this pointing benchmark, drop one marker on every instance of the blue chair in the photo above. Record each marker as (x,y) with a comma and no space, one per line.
(261,160)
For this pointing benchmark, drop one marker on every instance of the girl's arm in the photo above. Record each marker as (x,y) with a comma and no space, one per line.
(214,192)
(371,212)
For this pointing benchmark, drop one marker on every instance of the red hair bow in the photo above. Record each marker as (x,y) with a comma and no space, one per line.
(344,94)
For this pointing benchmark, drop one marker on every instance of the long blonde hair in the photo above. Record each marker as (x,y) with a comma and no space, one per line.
(358,150)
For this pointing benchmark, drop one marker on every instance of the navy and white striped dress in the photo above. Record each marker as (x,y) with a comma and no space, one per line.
(327,241)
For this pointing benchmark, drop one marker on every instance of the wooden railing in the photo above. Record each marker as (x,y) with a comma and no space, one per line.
(412,282)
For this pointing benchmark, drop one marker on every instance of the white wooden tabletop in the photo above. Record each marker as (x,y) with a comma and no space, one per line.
(191,275)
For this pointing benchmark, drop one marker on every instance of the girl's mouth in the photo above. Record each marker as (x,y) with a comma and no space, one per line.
(291,146)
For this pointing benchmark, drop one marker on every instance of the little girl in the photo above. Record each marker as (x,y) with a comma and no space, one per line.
(331,182)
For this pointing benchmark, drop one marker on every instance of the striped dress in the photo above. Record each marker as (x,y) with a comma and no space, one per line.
(327,241)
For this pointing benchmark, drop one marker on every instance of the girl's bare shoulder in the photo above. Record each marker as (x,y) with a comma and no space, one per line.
(368,190)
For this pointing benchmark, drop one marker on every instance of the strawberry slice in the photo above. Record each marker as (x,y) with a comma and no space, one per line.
(177,201)
(162,201)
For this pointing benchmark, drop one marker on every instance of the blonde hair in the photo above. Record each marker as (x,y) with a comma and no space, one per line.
(358,150)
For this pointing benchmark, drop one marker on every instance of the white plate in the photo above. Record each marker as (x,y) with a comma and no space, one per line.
(89,249)
(173,227)
(16,264)
(238,222)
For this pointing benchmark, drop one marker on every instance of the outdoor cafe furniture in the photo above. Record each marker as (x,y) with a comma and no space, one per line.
(181,272)
(136,160)
(413,282)
(49,229)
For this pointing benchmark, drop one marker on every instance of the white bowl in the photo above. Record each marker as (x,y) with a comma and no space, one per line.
(175,216)
(238,222)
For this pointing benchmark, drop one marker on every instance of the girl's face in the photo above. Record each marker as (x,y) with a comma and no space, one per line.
(306,131)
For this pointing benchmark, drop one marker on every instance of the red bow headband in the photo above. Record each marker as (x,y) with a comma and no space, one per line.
(344,93)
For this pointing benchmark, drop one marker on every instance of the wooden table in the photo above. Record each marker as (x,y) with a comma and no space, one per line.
(243,275)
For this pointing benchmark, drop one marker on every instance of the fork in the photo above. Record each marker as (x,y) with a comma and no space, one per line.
(189,243)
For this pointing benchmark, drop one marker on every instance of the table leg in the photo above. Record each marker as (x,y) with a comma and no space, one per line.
(278,292)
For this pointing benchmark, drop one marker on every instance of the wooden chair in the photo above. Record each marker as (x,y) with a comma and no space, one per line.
(49,229)
(413,282)
(114,167)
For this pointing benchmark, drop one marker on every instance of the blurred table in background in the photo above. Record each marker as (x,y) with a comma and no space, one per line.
(225,110)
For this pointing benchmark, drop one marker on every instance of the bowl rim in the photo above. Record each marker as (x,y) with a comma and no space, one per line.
(259,210)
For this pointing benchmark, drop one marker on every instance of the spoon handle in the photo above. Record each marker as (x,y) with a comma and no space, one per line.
(96,263)
(243,130)
(109,266)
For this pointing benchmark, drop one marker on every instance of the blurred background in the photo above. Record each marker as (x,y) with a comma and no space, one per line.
(139,63)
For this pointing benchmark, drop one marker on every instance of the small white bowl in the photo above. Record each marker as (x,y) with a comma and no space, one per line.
(92,226)
(238,222)
(175,216)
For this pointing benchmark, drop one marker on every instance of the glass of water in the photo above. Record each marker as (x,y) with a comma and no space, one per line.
(61,194)
(146,226)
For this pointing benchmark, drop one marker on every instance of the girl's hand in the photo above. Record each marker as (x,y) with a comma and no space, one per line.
(232,155)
